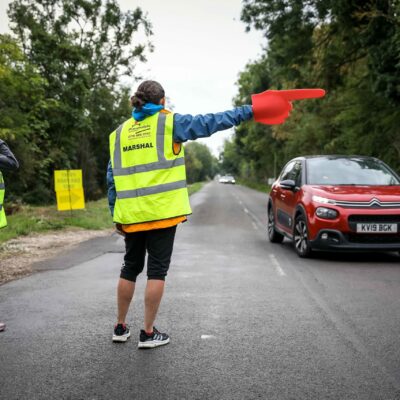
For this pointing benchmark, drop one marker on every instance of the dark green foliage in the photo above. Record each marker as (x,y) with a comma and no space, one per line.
(200,163)
(23,104)
(63,71)
(351,48)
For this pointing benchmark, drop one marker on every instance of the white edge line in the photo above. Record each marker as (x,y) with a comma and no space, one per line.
(254,225)
(277,266)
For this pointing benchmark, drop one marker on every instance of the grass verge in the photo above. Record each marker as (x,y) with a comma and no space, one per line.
(195,187)
(261,187)
(31,219)
(41,219)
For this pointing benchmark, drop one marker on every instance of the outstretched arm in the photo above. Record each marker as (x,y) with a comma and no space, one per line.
(7,158)
(192,127)
(270,107)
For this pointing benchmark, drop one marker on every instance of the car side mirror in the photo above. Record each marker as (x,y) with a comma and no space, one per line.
(288,184)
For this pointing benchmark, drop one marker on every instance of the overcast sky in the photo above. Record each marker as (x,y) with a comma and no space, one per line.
(200,47)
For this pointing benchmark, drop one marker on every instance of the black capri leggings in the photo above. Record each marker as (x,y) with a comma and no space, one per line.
(158,243)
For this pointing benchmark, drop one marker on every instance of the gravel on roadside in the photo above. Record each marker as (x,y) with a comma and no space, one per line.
(18,255)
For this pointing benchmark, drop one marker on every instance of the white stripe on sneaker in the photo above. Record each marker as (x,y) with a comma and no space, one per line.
(152,343)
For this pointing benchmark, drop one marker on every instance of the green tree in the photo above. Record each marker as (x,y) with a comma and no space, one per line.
(23,104)
(255,144)
(200,163)
(81,49)
(351,49)
(230,160)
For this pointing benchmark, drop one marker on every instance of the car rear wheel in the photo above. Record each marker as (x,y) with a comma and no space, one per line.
(300,237)
(273,235)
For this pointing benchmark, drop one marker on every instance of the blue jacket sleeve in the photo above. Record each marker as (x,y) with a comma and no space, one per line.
(112,194)
(189,127)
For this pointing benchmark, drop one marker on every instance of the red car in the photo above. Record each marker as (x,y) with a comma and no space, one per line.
(336,203)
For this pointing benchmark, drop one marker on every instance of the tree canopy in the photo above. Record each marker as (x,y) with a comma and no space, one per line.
(59,87)
(351,49)
(200,163)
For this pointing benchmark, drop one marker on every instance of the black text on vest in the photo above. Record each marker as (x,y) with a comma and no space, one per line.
(138,146)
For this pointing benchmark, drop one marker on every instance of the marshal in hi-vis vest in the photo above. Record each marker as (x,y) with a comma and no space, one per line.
(3,219)
(150,179)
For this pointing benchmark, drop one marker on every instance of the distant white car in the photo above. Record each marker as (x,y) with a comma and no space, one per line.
(227,179)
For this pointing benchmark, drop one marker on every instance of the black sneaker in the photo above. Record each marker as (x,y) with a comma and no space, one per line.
(154,340)
(121,333)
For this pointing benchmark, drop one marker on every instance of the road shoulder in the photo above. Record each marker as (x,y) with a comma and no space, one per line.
(56,250)
(22,256)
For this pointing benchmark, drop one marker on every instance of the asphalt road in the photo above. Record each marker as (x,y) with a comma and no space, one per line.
(247,319)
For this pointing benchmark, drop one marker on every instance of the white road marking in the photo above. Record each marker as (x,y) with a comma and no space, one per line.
(277,266)
(207,337)
(255,220)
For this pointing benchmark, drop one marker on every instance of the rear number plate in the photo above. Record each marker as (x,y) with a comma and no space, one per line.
(376,228)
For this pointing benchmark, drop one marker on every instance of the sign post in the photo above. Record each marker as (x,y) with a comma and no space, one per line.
(69,189)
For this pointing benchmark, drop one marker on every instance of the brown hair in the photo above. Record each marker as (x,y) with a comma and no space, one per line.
(147,92)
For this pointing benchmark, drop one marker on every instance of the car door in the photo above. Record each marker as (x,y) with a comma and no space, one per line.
(286,205)
(280,194)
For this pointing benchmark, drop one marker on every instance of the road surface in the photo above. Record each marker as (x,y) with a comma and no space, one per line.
(248,319)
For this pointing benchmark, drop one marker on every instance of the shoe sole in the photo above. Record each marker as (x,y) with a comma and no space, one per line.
(122,338)
(152,345)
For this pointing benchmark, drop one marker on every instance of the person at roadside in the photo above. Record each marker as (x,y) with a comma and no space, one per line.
(148,197)
(7,162)
(147,191)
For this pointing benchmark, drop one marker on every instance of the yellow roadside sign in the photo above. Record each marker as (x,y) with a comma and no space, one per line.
(68,179)
(69,189)
(73,199)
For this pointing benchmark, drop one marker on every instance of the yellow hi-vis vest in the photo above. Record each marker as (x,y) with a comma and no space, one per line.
(3,219)
(150,179)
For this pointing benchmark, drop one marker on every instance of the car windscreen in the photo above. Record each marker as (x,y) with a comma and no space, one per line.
(349,171)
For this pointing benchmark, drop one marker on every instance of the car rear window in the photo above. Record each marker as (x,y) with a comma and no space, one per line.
(349,171)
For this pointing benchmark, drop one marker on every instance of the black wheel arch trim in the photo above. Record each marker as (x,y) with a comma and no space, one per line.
(300,210)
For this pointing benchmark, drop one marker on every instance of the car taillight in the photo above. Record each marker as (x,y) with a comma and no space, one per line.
(326,213)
